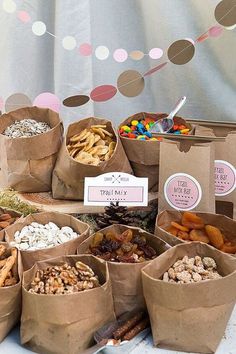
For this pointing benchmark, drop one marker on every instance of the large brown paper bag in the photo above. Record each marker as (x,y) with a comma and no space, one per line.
(10,302)
(126,277)
(59,324)
(13,213)
(225,164)
(164,219)
(189,317)
(26,164)
(186,180)
(69,174)
(144,155)
(69,247)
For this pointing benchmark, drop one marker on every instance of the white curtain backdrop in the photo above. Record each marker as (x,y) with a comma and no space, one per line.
(32,64)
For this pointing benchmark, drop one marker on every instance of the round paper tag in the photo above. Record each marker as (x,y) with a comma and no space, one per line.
(225,178)
(182,191)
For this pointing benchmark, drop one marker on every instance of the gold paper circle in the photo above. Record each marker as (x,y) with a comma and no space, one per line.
(17,100)
(130,83)
(181,52)
(136,55)
(225,13)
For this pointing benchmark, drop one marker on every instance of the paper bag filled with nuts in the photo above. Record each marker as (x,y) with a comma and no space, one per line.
(216,230)
(65,301)
(7,218)
(127,250)
(10,289)
(30,139)
(91,147)
(46,235)
(190,292)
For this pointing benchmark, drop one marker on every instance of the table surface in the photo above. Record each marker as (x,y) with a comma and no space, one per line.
(11,344)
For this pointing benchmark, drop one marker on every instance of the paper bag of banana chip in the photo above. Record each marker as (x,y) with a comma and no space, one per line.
(91,147)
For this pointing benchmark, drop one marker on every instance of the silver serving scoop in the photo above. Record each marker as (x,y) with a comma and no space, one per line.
(164,125)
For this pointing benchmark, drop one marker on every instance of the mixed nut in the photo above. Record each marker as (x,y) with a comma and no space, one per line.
(192,270)
(128,247)
(38,236)
(6,220)
(193,228)
(26,128)
(64,279)
(8,266)
(92,146)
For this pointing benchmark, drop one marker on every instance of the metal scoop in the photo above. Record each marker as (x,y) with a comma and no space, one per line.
(164,125)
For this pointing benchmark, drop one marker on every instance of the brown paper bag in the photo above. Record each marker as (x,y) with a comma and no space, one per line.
(13,213)
(69,174)
(69,247)
(163,222)
(126,277)
(189,317)
(144,155)
(59,324)
(10,304)
(26,164)
(225,164)
(186,179)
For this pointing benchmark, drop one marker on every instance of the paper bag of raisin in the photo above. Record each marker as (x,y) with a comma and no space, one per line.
(127,250)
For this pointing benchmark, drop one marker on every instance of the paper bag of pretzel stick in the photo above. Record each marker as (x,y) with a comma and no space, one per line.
(65,300)
(91,147)
(10,289)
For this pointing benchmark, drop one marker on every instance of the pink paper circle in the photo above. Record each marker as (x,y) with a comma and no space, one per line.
(155,53)
(24,16)
(48,100)
(1,103)
(85,49)
(215,31)
(103,93)
(120,55)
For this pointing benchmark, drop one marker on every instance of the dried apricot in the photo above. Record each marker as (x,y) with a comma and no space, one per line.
(97,239)
(192,221)
(183,235)
(179,227)
(228,248)
(199,235)
(172,230)
(215,236)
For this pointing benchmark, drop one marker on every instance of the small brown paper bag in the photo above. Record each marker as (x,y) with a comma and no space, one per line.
(144,155)
(225,164)
(186,179)
(13,213)
(163,222)
(126,277)
(26,164)
(10,303)
(189,317)
(59,324)
(69,247)
(69,174)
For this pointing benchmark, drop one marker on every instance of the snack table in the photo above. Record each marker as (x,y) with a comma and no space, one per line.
(11,345)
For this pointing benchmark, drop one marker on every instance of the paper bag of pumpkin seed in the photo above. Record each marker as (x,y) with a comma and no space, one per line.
(91,147)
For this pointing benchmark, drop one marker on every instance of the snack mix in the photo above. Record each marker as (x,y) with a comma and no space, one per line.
(193,228)
(126,247)
(64,279)
(192,270)
(26,128)
(92,146)
(8,267)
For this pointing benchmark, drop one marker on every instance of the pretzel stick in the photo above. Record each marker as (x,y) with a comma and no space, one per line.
(6,269)
(2,250)
(121,331)
(137,329)
(3,262)
(14,268)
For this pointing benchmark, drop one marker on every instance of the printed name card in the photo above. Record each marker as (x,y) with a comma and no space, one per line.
(119,187)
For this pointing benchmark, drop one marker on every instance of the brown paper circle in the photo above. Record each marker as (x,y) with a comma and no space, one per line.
(17,100)
(130,83)
(225,13)
(136,55)
(75,101)
(181,52)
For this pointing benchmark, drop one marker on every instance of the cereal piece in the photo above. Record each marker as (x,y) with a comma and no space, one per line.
(215,236)
(184,276)
(166,277)
(198,261)
(196,277)
(171,273)
(192,221)
(209,262)
(179,227)
(199,235)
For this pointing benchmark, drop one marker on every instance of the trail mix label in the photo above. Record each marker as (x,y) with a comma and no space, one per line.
(225,178)
(182,191)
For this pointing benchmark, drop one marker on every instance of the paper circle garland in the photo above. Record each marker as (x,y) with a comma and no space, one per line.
(75,101)
(39,28)
(85,49)
(103,93)
(23,16)
(155,53)
(102,52)
(47,100)
(130,83)
(225,13)
(17,100)
(181,52)
(9,6)
(215,31)
(69,42)
(120,55)
(1,103)
(136,55)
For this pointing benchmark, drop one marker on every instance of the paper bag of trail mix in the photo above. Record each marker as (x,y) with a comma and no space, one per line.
(186,179)
(61,321)
(144,155)
(61,236)
(222,235)
(10,289)
(7,218)
(225,164)
(91,147)
(125,264)
(26,163)
(190,317)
